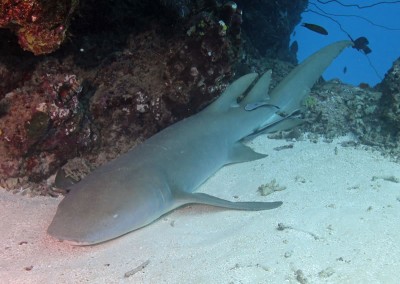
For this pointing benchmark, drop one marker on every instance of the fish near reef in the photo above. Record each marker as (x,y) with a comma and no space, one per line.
(162,173)
(315,28)
(361,43)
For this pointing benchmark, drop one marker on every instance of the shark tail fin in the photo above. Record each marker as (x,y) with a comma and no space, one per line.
(289,94)
(287,99)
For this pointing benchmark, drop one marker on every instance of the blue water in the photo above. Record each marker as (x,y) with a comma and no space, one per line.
(384,39)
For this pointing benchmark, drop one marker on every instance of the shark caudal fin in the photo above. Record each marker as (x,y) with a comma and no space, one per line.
(296,86)
(290,93)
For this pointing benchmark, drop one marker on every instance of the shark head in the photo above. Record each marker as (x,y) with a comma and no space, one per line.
(91,215)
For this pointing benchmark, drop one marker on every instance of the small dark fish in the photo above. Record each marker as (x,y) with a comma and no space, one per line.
(294,47)
(363,85)
(361,43)
(344,69)
(315,28)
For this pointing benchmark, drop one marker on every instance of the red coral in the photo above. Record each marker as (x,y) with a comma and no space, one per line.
(39,39)
(40,25)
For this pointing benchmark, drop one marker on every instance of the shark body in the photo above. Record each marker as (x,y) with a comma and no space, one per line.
(162,173)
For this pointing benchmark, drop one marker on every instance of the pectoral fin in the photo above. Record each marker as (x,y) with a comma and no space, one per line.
(202,198)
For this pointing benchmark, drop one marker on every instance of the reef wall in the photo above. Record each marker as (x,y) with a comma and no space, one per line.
(111,74)
(123,70)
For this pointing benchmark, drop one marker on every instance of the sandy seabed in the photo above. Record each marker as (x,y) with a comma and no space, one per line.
(339,223)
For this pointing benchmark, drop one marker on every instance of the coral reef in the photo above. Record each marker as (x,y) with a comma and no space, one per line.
(371,114)
(335,109)
(389,107)
(134,67)
(99,100)
(42,124)
(40,26)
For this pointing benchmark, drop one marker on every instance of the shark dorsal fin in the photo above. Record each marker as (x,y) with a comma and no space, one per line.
(229,97)
(259,93)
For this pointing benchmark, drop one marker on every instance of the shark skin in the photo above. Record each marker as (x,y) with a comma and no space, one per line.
(162,173)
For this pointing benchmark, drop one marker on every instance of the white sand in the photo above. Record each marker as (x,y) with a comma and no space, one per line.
(345,228)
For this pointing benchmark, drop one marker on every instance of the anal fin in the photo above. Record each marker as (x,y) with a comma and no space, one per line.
(241,153)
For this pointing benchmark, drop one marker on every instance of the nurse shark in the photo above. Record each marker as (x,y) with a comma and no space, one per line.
(162,173)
